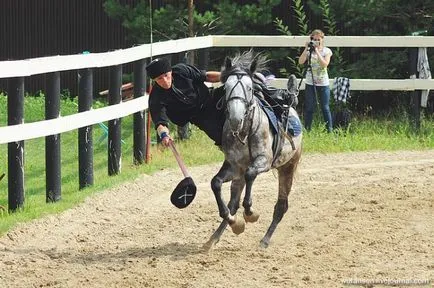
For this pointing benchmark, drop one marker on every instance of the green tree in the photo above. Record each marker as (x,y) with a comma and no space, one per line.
(168,22)
(171,20)
(383,17)
(303,27)
(365,18)
(246,19)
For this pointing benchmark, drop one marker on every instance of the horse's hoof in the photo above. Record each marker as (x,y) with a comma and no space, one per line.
(264,243)
(251,218)
(238,226)
(209,244)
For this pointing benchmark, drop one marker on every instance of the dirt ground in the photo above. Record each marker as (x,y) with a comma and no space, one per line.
(351,216)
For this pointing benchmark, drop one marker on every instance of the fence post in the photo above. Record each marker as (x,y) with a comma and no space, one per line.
(203,59)
(139,117)
(415,99)
(15,149)
(415,95)
(85,140)
(114,125)
(52,142)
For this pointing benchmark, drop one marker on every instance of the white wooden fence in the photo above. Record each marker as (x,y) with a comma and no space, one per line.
(23,68)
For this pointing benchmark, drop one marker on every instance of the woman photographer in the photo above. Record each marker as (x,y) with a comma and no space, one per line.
(316,78)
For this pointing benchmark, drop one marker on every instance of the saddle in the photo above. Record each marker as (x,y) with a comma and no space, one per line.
(279,97)
(276,104)
(279,100)
(282,126)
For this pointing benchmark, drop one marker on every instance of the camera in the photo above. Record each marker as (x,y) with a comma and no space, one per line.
(312,44)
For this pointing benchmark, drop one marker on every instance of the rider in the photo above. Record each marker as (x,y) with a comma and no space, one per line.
(181,96)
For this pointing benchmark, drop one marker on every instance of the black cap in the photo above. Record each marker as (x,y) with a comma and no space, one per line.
(157,67)
(184,193)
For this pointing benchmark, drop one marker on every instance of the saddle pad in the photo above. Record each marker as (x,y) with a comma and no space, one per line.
(295,122)
(272,119)
(296,125)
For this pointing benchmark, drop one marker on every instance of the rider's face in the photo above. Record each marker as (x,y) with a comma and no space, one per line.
(164,80)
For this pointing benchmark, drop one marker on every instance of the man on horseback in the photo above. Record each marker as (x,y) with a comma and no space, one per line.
(181,96)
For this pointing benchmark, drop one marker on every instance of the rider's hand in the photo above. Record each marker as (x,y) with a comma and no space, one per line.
(166,139)
(163,132)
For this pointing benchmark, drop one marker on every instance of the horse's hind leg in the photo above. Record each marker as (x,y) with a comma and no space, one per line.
(286,175)
(233,205)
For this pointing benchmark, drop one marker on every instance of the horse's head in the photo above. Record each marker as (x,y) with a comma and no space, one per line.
(237,78)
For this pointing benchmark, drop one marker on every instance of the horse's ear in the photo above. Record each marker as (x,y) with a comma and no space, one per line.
(228,63)
(253,66)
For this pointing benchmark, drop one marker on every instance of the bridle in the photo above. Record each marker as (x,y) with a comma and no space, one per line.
(248,103)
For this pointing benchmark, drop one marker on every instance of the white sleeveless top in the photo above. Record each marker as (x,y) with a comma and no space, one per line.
(320,74)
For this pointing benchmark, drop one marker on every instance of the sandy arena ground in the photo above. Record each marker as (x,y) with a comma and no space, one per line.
(351,216)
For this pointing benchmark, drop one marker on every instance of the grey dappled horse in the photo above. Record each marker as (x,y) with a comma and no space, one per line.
(247,145)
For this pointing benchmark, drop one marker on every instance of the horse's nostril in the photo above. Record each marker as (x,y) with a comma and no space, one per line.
(235,123)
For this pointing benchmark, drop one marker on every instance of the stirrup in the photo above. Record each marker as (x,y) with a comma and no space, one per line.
(291,87)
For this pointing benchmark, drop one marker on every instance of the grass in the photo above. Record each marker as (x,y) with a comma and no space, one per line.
(364,134)
(367,134)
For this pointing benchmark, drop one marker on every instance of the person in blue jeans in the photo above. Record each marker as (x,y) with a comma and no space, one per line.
(317,78)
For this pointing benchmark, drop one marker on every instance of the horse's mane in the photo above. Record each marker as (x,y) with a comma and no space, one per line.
(243,61)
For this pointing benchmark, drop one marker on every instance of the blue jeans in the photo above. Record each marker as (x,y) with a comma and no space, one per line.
(310,105)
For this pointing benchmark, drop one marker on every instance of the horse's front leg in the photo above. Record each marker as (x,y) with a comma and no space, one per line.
(259,165)
(237,187)
(225,174)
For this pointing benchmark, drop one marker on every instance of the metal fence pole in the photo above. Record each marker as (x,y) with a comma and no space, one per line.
(52,142)
(114,125)
(15,149)
(85,139)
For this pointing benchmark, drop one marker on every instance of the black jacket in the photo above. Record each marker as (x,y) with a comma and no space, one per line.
(183,101)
